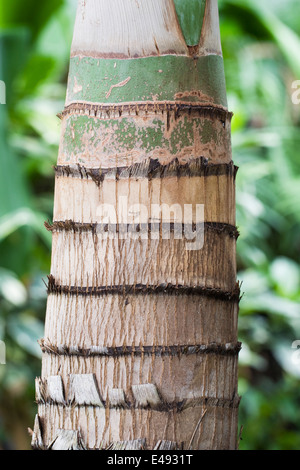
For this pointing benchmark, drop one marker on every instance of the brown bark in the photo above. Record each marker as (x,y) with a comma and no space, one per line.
(140,347)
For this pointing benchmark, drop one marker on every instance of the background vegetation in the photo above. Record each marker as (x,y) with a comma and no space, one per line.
(261,47)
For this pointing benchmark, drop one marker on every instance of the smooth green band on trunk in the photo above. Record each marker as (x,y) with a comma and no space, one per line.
(164,78)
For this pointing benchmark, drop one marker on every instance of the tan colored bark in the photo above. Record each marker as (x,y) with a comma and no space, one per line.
(132,29)
(140,346)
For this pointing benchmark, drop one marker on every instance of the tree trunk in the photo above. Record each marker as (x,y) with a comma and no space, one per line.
(140,347)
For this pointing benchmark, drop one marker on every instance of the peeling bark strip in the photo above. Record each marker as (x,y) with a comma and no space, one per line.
(146,395)
(141,444)
(71,440)
(71,226)
(54,288)
(55,390)
(36,435)
(50,390)
(116,398)
(109,111)
(83,391)
(67,440)
(138,444)
(149,169)
(40,390)
(229,349)
(167,445)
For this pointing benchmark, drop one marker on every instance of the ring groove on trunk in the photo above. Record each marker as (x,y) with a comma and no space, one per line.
(54,288)
(164,407)
(70,225)
(106,111)
(149,169)
(229,349)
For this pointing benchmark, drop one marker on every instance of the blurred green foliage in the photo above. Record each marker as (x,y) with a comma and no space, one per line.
(35,39)
(261,46)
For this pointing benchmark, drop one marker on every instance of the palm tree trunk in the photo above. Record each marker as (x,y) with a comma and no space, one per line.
(140,347)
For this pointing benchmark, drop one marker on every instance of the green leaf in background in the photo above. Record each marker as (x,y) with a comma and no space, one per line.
(37,70)
(285,273)
(11,288)
(24,217)
(286,39)
(31,13)
(26,331)
(13,187)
